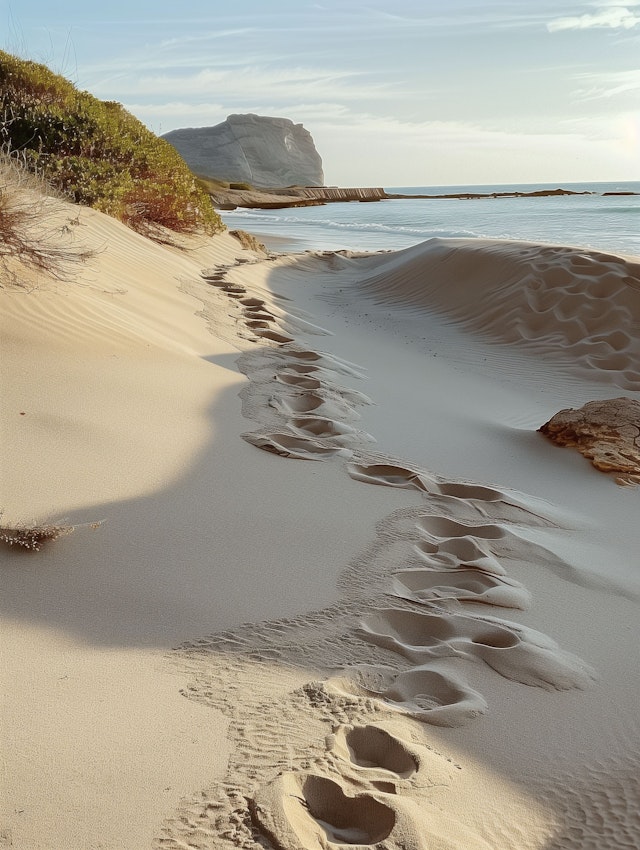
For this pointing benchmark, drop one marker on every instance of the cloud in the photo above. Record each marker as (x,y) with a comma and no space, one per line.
(612,17)
(253,83)
(608,85)
(205,37)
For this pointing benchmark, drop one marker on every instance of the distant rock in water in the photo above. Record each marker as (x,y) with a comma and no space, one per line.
(253,149)
(607,432)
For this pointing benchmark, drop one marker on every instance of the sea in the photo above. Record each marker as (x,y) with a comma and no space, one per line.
(609,223)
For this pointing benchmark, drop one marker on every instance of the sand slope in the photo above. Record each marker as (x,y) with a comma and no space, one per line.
(414,640)
(582,306)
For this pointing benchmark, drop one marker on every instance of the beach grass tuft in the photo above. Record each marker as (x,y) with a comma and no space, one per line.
(33,535)
(27,232)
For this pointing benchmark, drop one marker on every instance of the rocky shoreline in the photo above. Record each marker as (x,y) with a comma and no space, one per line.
(307,196)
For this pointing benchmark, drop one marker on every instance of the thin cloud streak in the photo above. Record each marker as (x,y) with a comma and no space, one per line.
(614,17)
(609,85)
(257,82)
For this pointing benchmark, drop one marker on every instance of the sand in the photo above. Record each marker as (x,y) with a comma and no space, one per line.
(327,584)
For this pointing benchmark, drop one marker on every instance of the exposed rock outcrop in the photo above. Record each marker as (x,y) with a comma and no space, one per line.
(306,196)
(607,432)
(292,196)
(249,241)
(251,149)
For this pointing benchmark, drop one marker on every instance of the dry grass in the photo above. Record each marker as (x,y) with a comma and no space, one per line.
(32,536)
(29,233)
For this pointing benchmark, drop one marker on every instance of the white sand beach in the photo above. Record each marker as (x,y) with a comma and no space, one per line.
(327,585)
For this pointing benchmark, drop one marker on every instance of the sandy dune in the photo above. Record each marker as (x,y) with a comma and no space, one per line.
(425,638)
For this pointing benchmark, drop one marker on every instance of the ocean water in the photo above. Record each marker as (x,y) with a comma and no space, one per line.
(607,223)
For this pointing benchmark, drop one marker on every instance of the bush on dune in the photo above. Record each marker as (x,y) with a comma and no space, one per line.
(98,154)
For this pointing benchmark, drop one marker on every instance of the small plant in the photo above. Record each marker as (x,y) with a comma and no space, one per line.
(33,536)
(27,233)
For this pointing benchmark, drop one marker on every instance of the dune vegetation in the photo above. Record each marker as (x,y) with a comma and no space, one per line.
(98,154)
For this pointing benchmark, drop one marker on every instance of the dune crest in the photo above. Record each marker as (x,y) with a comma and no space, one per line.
(578,305)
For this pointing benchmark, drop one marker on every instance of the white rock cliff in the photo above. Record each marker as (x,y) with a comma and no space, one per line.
(266,152)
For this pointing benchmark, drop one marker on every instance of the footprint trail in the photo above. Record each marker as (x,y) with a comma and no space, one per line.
(343,760)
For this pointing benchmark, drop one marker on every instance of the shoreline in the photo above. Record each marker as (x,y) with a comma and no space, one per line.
(303,196)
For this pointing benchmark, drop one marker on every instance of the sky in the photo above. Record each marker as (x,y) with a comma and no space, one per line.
(394,92)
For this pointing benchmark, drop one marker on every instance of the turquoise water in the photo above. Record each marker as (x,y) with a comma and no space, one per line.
(608,223)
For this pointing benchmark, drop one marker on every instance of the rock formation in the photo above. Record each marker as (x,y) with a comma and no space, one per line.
(291,196)
(251,149)
(607,432)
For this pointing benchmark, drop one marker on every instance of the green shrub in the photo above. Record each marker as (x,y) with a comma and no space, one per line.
(247,187)
(98,154)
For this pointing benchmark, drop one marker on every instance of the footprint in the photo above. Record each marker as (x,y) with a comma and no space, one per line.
(307,376)
(274,336)
(440,526)
(313,402)
(392,475)
(327,360)
(312,356)
(329,429)
(302,368)
(412,634)
(480,499)
(291,404)
(471,491)
(514,651)
(289,445)
(373,747)
(389,475)
(301,381)
(466,585)
(215,278)
(460,551)
(258,315)
(435,696)
(530,656)
(479,546)
(304,811)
